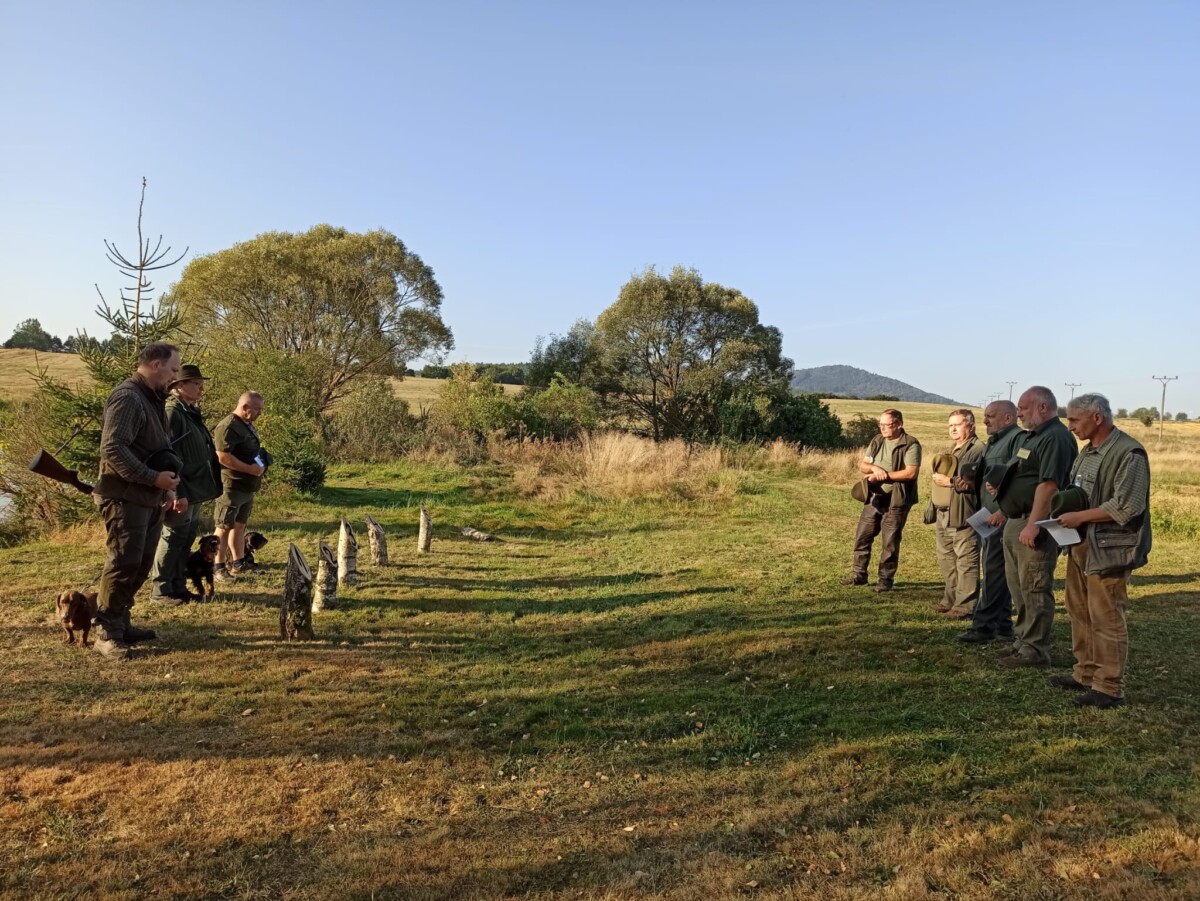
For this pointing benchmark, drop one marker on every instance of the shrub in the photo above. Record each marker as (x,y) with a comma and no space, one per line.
(562,411)
(860,431)
(780,414)
(370,426)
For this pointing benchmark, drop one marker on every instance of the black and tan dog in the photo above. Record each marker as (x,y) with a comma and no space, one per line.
(254,541)
(76,611)
(199,567)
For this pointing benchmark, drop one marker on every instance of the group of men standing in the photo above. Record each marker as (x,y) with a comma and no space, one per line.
(158,464)
(1003,561)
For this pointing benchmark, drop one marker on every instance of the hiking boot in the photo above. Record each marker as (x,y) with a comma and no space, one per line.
(1067,681)
(854,580)
(1093,698)
(242,568)
(1018,660)
(975,636)
(223,575)
(133,634)
(881,587)
(958,612)
(110,642)
(941,607)
(170,600)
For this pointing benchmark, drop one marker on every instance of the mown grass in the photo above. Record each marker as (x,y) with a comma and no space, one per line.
(666,695)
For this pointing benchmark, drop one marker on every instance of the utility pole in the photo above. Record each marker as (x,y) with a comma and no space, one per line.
(1163,406)
(1010,387)
(1072,386)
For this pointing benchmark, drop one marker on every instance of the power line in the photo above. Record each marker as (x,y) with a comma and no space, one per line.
(1162,410)
(1010,387)
(1072,386)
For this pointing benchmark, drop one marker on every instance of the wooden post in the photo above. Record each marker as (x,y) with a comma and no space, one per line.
(378,542)
(425,535)
(347,556)
(295,614)
(325,591)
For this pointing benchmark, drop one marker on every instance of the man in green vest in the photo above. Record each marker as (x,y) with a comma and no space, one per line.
(1113,473)
(1042,467)
(199,481)
(891,464)
(242,466)
(992,619)
(955,500)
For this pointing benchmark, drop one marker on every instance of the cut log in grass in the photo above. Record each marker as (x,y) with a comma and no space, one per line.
(477,534)
(325,591)
(347,556)
(295,614)
(377,541)
(425,535)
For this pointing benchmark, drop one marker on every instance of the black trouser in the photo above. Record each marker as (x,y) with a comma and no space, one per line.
(132,540)
(879,518)
(170,561)
(993,611)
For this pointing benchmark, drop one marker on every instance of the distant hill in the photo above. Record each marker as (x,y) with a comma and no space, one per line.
(849,381)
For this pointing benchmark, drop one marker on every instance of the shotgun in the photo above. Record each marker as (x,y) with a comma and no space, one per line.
(44,464)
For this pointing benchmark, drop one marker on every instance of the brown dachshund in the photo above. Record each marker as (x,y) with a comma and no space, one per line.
(75,612)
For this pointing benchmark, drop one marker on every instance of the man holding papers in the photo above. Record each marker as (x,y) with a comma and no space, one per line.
(242,467)
(1042,467)
(1111,481)
(992,619)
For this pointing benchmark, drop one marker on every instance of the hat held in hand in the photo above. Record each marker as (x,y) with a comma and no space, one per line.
(1069,500)
(861,491)
(946,465)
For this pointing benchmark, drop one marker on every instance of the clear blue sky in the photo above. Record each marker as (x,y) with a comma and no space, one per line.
(953,194)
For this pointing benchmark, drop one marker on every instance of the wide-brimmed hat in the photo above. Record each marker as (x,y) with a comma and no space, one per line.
(945,464)
(999,475)
(165,460)
(861,491)
(189,372)
(1069,500)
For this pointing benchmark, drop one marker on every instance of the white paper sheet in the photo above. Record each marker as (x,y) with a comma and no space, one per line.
(979,522)
(1061,534)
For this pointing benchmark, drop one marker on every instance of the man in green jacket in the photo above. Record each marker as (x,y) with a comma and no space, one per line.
(199,481)
(992,619)
(137,482)
(1113,472)
(957,544)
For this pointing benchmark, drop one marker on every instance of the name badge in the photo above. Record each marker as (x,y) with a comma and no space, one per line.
(1023,454)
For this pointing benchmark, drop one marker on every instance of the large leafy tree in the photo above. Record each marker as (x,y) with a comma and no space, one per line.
(351,305)
(31,336)
(677,348)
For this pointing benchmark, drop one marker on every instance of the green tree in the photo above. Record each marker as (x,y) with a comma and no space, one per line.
(1122,413)
(352,305)
(1147,416)
(474,408)
(779,413)
(575,356)
(677,348)
(31,336)
(1181,417)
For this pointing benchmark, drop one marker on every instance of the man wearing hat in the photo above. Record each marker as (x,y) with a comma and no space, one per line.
(955,500)
(199,481)
(137,479)
(891,465)
(1042,467)
(1109,503)
(242,465)
(992,618)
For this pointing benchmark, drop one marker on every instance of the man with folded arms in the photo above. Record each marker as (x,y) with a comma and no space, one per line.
(1042,467)
(1111,479)
(891,464)
(992,619)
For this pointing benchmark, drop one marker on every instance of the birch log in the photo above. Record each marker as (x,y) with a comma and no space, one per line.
(378,542)
(295,614)
(347,556)
(425,535)
(325,591)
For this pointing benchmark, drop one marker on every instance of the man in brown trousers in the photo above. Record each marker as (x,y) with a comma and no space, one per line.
(957,544)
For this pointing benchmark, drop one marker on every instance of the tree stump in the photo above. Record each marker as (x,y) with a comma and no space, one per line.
(295,614)
(325,591)
(425,535)
(378,542)
(347,556)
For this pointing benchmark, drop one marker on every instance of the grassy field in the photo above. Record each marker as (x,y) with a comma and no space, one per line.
(645,689)
(17,368)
